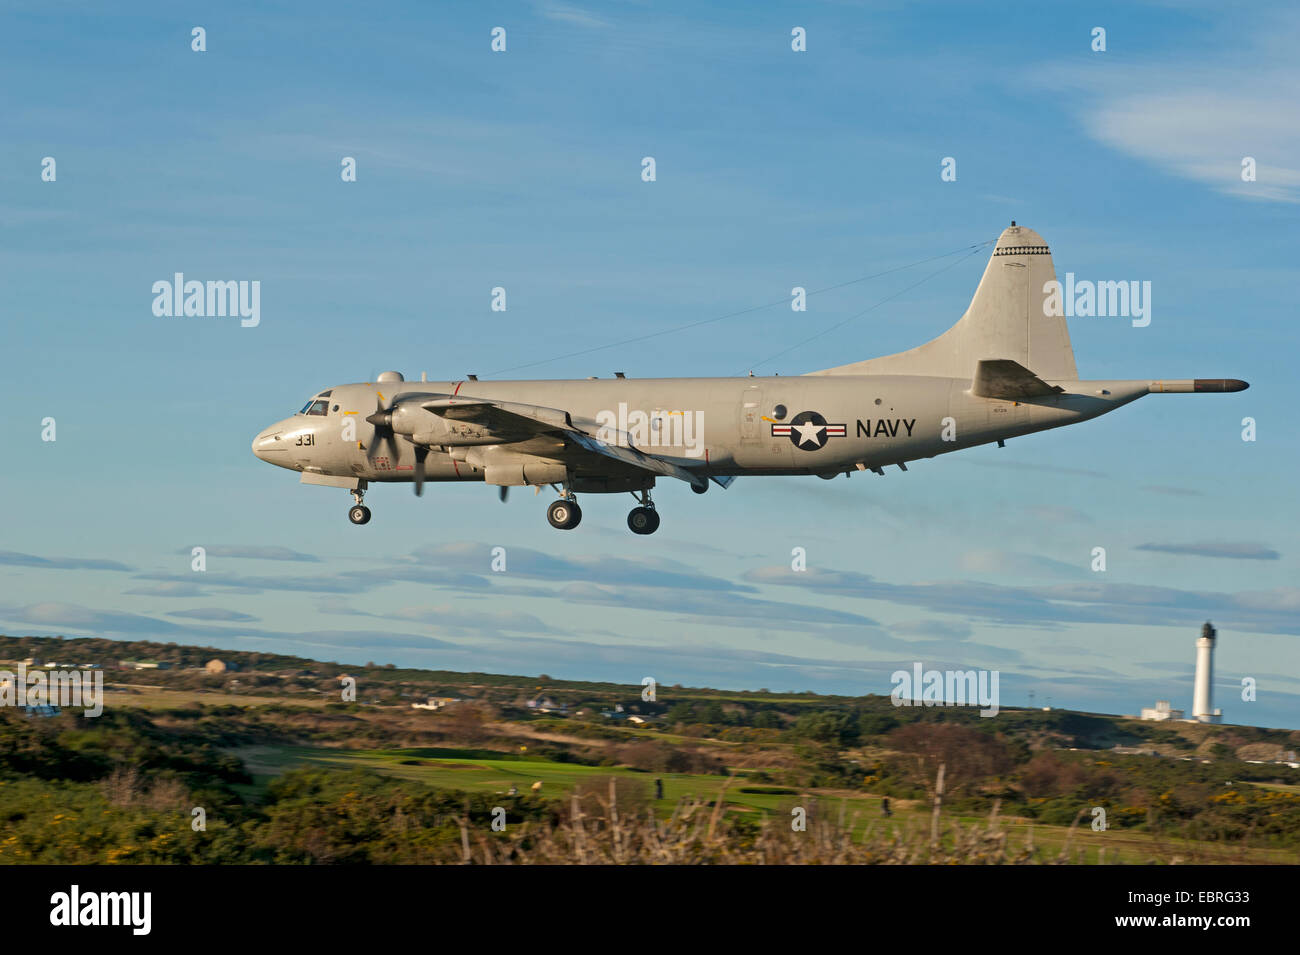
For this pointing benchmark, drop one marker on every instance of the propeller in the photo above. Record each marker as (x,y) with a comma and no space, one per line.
(503,492)
(421,452)
(382,420)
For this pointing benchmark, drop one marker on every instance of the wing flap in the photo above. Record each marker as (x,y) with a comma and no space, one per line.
(638,459)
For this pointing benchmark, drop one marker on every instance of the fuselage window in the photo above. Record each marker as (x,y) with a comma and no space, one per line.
(319,407)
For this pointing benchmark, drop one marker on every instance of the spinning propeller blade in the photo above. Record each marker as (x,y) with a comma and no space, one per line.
(382,420)
(421,452)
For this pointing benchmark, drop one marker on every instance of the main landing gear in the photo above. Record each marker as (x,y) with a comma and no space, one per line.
(643,519)
(564,514)
(358,513)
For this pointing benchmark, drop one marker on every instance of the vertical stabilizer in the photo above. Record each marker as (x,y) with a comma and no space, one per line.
(1006,320)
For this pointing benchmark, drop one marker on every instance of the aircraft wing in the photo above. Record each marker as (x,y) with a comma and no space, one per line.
(501,417)
(1004,378)
(515,421)
(638,459)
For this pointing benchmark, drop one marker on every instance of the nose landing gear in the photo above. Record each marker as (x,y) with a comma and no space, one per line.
(359,513)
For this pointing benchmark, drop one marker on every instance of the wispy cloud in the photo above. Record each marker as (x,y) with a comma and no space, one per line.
(933,629)
(14,558)
(604,570)
(1059,605)
(169,589)
(254,552)
(567,13)
(1012,564)
(1237,550)
(322,584)
(1198,114)
(211,613)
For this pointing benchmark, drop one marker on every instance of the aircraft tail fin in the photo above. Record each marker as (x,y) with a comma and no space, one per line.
(1006,320)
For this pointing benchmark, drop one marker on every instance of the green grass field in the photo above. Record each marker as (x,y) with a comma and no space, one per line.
(443,769)
(162,698)
(434,768)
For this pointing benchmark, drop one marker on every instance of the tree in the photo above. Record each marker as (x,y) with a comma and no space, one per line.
(969,755)
(827,727)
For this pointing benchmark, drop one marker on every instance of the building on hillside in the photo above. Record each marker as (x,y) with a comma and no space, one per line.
(435,703)
(544,704)
(217,667)
(1161,711)
(143,665)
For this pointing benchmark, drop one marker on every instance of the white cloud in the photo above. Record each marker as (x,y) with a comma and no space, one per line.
(567,13)
(1199,113)
(1203,132)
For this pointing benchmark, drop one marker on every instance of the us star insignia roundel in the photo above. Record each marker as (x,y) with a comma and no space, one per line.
(809,431)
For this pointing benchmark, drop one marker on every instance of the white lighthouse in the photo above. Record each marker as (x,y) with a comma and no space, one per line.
(1203,695)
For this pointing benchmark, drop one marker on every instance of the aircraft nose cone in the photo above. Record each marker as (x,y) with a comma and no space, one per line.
(267,445)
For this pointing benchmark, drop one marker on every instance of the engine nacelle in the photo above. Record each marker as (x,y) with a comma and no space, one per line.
(529,472)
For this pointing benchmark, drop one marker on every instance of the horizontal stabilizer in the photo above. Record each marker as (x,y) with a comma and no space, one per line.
(1004,378)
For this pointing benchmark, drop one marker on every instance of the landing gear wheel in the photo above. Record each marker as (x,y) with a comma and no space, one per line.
(699,488)
(564,514)
(359,514)
(643,520)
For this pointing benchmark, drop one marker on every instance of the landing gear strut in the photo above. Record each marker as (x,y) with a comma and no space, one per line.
(359,513)
(644,519)
(564,514)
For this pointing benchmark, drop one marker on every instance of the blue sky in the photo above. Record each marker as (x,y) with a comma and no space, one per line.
(522,169)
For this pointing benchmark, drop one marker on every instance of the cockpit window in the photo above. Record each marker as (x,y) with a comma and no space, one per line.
(316,405)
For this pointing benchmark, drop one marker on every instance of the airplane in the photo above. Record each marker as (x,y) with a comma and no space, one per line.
(1005,369)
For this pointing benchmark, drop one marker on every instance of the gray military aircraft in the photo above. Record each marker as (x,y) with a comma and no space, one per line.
(1005,369)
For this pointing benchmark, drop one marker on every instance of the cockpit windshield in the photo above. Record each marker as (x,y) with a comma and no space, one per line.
(315,406)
